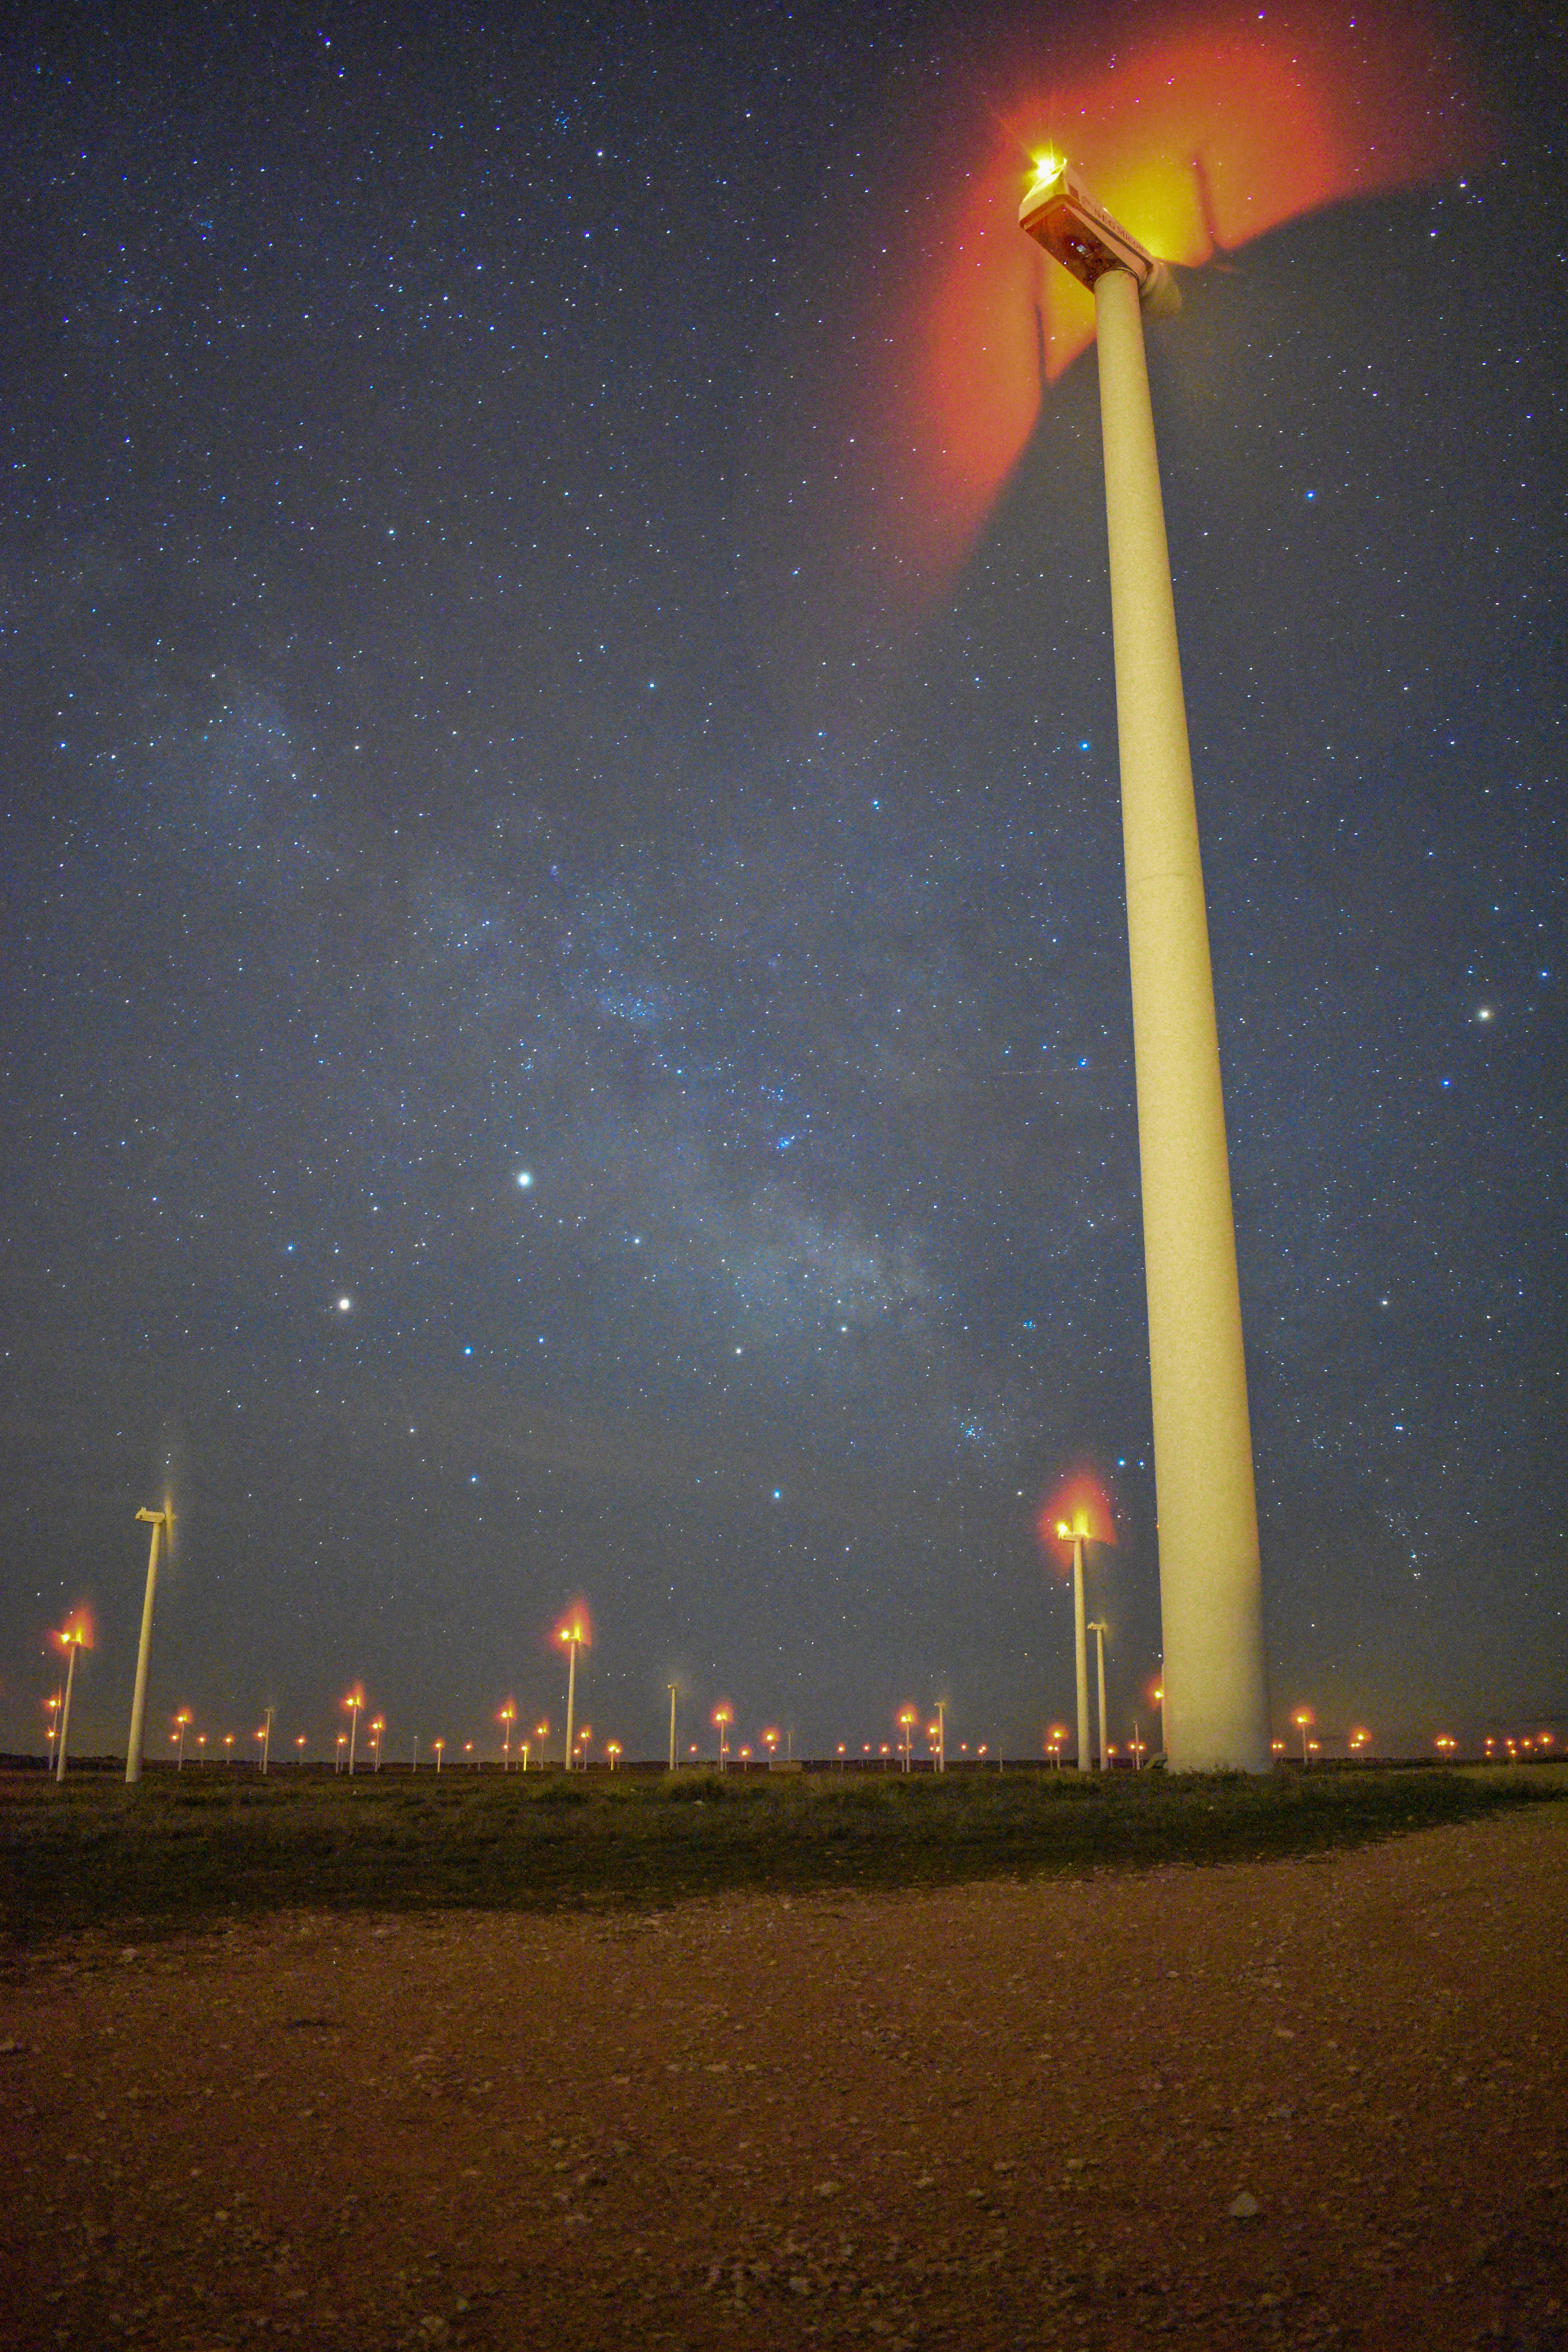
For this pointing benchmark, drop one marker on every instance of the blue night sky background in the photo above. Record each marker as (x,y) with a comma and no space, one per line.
(566,1033)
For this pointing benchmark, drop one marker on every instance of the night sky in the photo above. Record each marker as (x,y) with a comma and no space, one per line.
(565,1020)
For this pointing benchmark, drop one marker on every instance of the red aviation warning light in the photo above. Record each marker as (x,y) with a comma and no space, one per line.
(1079,1509)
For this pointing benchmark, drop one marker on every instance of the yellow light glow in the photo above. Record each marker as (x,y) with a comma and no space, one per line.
(1048,167)
(576,1627)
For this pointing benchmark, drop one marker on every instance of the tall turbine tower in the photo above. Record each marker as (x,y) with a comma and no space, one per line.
(1077,1535)
(1211,1588)
(162,1524)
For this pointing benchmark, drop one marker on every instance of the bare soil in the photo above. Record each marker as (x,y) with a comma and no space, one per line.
(1301,2101)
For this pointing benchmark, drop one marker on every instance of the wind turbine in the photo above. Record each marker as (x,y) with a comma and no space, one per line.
(1078,1535)
(572,1636)
(1099,1629)
(1211,1583)
(163,1525)
(72,1638)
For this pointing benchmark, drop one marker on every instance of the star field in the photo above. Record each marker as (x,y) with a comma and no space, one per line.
(566,1031)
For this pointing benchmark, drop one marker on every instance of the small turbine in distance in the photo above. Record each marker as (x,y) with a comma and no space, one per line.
(163,1525)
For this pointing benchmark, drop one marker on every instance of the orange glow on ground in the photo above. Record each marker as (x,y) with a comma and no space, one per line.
(1199,139)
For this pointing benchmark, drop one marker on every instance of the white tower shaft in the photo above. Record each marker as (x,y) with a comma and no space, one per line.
(1079,1654)
(143,1654)
(1211,1591)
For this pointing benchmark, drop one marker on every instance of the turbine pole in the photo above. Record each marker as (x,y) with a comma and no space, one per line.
(73,1644)
(160,1521)
(1099,1629)
(1079,1650)
(1211,1583)
(1211,1586)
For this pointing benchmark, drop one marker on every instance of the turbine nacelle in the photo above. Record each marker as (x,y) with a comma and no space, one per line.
(1059,214)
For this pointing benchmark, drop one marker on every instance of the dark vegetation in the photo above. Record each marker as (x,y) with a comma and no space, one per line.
(197,1848)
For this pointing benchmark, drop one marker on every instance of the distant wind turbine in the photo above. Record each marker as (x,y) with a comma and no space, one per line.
(163,1525)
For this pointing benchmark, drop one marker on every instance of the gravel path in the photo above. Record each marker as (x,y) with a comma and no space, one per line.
(1301,2103)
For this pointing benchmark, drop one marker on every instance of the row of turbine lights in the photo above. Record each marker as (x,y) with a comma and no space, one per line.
(77,1635)
(575,1634)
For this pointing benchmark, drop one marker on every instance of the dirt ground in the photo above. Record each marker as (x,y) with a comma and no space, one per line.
(1293,2103)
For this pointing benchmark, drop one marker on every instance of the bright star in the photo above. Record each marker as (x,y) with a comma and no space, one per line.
(344,1306)
(525,1180)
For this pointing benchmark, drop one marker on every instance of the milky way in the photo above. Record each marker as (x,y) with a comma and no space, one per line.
(558,1041)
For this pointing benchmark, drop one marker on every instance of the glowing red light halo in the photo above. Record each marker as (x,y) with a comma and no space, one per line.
(1202,130)
(1080,1498)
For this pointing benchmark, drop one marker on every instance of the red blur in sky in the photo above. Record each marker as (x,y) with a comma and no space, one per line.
(576,1617)
(1199,140)
(1080,1500)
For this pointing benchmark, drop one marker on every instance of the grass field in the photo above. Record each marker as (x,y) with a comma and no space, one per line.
(193,1849)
